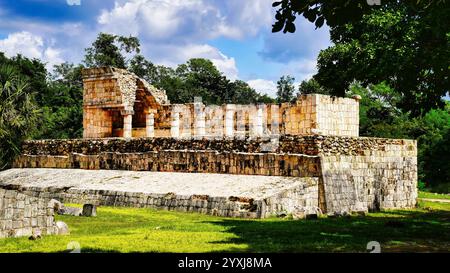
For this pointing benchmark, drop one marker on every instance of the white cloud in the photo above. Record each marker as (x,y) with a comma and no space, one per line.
(264,87)
(73,2)
(173,31)
(187,20)
(31,46)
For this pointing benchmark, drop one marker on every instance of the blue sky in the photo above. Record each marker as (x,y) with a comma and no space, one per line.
(234,34)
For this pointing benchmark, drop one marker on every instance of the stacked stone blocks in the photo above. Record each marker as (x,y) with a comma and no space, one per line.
(24,215)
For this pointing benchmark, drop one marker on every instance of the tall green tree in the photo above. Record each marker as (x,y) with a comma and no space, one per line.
(434,149)
(109,50)
(285,89)
(405,43)
(380,116)
(63,110)
(19,113)
(144,68)
(311,86)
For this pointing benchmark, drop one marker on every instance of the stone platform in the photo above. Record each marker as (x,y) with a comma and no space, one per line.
(250,196)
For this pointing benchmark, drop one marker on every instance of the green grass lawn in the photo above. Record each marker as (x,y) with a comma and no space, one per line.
(426,228)
(424,194)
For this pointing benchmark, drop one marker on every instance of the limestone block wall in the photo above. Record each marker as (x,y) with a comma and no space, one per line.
(355,173)
(97,122)
(310,114)
(107,91)
(113,87)
(292,144)
(23,215)
(321,115)
(101,88)
(377,180)
(337,116)
(198,161)
(302,196)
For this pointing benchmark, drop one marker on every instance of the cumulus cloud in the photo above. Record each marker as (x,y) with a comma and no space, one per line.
(31,46)
(171,32)
(174,31)
(187,20)
(264,87)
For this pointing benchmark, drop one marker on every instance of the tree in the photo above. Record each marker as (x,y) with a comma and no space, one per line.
(63,107)
(434,152)
(19,114)
(405,43)
(200,78)
(285,89)
(340,12)
(108,49)
(242,93)
(33,70)
(380,116)
(143,68)
(311,86)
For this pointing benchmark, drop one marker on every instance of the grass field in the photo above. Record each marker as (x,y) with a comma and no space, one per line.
(424,229)
(424,194)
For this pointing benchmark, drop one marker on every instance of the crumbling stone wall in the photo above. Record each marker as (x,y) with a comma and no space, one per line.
(306,145)
(310,114)
(182,161)
(108,91)
(377,180)
(24,215)
(355,173)
(303,196)
(321,115)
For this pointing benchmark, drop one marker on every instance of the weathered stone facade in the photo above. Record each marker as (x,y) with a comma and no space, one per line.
(355,174)
(111,97)
(130,125)
(117,103)
(303,144)
(222,195)
(24,215)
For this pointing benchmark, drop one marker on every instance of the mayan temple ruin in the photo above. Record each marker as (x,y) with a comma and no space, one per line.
(251,161)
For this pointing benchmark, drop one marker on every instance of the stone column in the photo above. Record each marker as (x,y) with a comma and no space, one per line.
(199,124)
(175,125)
(127,123)
(127,128)
(240,121)
(258,121)
(185,121)
(275,123)
(150,124)
(229,120)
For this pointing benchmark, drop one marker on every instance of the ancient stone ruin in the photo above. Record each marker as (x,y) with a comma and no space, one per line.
(25,215)
(249,161)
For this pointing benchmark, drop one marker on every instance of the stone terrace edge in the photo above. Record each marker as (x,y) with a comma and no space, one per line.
(290,144)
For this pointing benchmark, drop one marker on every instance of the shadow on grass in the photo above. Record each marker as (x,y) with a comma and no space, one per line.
(396,231)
